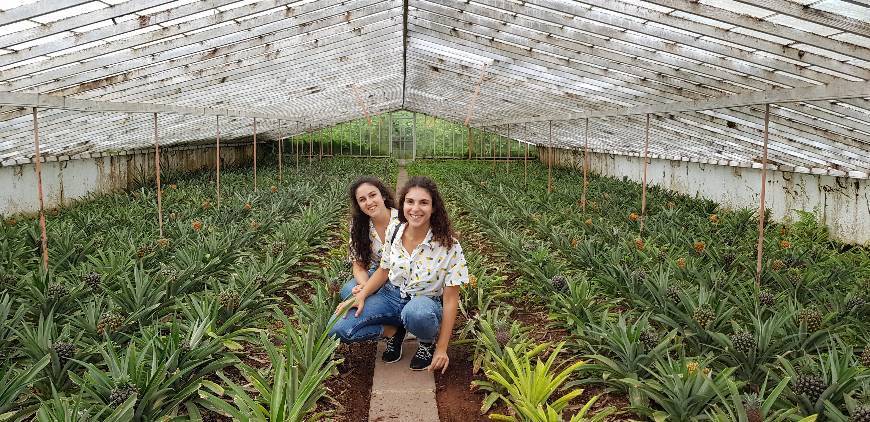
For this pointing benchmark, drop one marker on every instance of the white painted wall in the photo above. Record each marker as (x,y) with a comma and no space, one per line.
(70,180)
(841,203)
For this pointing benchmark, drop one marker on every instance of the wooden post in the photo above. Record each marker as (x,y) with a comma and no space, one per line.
(508,142)
(157,172)
(369,130)
(255,154)
(38,167)
(310,145)
(320,135)
(217,185)
(645,166)
(585,166)
(761,207)
(331,141)
(492,150)
(469,142)
(526,160)
(280,157)
(550,161)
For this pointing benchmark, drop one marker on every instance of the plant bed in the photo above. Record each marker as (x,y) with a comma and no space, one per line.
(351,389)
(457,400)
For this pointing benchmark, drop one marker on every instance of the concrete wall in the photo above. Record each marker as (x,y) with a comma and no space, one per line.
(67,181)
(841,203)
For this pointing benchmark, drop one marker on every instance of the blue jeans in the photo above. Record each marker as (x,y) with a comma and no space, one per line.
(420,315)
(347,290)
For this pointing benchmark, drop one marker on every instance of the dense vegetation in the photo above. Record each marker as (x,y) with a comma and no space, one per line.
(126,325)
(670,319)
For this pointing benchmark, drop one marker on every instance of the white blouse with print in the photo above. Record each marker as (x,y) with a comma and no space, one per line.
(377,243)
(425,270)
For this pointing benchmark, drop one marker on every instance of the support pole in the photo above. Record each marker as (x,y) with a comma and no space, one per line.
(645,166)
(585,166)
(508,142)
(310,145)
(526,161)
(217,148)
(550,161)
(331,141)
(320,135)
(255,154)
(280,157)
(492,150)
(390,134)
(761,207)
(469,142)
(157,172)
(414,138)
(38,167)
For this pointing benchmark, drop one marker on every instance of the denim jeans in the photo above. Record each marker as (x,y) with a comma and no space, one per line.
(420,315)
(347,290)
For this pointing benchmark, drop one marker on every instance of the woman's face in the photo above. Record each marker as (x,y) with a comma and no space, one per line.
(369,199)
(417,207)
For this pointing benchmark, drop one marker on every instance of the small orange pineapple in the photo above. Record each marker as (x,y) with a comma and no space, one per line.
(206,204)
(472,281)
(274,189)
(248,206)
(588,222)
(197,225)
(639,244)
(699,247)
(681,262)
(163,242)
(714,218)
(574,243)
(254,225)
(785,244)
(777,264)
(633,216)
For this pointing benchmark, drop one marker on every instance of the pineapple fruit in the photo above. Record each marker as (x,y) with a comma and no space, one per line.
(229,299)
(809,385)
(861,414)
(55,292)
(752,403)
(109,323)
(196,225)
(704,315)
(673,294)
(639,244)
(699,247)
(865,357)
(120,394)
(777,265)
(766,298)
(633,216)
(650,338)
(681,262)
(810,317)
(559,282)
(93,281)
(855,303)
(64,351)
(743,342)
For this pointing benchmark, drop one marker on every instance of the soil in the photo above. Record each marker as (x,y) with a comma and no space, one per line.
(352,388)
(453,392)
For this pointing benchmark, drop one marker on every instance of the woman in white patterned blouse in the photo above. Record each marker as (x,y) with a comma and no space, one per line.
(419,291)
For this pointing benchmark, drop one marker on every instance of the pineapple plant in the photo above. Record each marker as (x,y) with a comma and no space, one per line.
(673,293)
(55,292)
(650,338)
(811,318)
(64,351)
(559,282)
(794,276)
(753,405)
(278,247)
(93,281)
(777,265)
(120,394)
(229,299)
(855,303)
(860,414)
(809,385)
(145,250)
(743,342)
(639,244)
(865,356)
(766,298)
(638,275)
(728,259)
(110,322)
(704,315)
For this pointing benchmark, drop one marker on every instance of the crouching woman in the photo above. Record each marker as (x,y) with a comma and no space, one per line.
(416,288)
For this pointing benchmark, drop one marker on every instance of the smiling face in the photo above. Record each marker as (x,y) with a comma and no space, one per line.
(369,199)
(417,207)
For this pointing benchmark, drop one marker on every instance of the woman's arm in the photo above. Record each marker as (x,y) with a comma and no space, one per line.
(360,273)
(359,298)
(448,320)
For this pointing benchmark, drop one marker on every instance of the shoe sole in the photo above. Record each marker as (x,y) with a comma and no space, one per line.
(421,369)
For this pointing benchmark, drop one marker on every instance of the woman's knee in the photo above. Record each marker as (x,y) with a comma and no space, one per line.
(347,289)
(421,314)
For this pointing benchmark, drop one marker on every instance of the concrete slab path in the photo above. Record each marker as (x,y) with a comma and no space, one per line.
(398,393)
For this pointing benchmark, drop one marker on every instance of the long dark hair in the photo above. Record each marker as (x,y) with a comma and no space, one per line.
(360,242)
(442,232)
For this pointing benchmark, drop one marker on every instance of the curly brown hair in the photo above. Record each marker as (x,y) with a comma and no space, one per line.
(442,231)
(360,242)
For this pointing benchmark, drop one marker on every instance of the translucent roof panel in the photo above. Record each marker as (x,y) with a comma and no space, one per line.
(491,63)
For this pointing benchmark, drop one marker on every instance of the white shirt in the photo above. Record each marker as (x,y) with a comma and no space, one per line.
(377,243)
(425,270)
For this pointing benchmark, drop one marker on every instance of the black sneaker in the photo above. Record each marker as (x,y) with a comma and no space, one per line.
(423,358)
(393,349)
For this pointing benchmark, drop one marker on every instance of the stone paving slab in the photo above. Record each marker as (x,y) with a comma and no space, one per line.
(400,394)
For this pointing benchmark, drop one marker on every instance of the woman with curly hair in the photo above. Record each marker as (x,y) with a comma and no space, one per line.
(373,212)
(416,288)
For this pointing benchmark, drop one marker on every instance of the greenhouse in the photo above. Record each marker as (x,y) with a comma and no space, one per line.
(435,210)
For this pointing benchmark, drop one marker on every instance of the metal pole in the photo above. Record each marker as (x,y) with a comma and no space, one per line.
(38,167)
(492,150)
(310,145)
(508,142)
(390,133)
(280,154)
(157,171)
(550,161)
(320,136)
(414,138)
(585,166)
(761,208)
(217,185)
(469,142)
(331,141)
(369,130)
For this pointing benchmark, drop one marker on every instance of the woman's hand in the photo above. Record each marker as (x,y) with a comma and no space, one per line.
(358,301)
(358,288)
(439,361)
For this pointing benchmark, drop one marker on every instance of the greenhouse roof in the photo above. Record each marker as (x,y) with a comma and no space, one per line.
(703,70)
